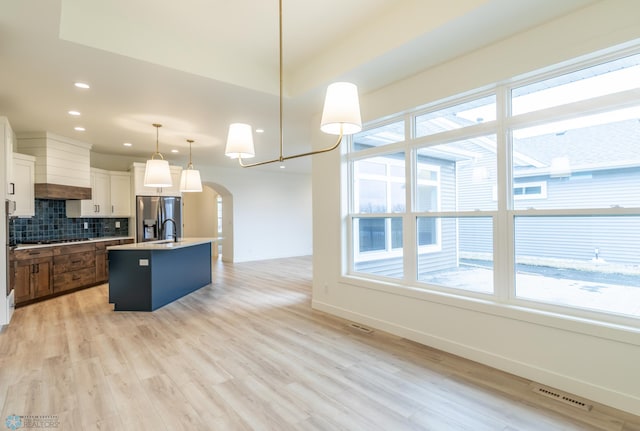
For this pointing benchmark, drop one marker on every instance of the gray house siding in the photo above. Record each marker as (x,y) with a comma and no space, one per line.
(616,239)
(587,189)
(579,238)
(447,234)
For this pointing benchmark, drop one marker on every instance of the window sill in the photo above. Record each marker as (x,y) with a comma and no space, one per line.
(578,321)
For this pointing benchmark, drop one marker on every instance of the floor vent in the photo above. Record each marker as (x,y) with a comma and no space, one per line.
(360,328)
(562,397)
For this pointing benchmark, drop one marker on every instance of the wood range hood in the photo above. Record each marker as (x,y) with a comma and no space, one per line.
(63,166)
(60,191)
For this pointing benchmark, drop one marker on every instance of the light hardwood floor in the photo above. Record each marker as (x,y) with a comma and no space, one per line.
(248,353)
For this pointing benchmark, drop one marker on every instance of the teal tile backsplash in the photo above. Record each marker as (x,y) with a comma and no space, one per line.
(51,223)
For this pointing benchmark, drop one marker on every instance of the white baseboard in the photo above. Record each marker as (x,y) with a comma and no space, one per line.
(528,371)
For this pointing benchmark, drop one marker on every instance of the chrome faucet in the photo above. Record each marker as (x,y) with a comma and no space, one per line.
(175,229)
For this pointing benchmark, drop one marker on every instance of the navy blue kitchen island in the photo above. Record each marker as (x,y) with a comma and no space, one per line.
(146,276)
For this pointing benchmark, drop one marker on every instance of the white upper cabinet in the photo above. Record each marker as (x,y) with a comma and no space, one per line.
(110,196)
(6,134)
(120,188)
(23,183)
(100,193)
(140,190)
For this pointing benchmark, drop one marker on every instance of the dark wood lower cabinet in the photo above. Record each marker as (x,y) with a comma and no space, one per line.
(74,279)
(73,266)
(41,272)
(102,267)
(32,274)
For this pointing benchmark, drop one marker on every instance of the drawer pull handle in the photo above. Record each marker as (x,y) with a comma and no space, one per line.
(76,277)
(76,261)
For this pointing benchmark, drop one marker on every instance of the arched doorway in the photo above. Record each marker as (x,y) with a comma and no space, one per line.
(201,217)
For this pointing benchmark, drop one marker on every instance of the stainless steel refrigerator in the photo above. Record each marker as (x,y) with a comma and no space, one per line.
(158,217)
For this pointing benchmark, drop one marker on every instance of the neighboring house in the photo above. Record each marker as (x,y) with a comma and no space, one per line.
(550,171)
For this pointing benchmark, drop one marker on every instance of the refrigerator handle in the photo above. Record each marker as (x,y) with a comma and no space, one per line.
(160,219)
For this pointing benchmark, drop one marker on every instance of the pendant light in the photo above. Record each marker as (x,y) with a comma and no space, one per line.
(340,116)
(190,178)
(157,172)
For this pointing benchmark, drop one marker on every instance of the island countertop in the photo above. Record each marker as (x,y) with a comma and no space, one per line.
(167,244)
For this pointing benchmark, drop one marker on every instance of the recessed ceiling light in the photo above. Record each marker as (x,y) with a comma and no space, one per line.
(282,166)
(79,129)
(174,151)
(259,130)
(82,85)
(127,144)
(74,113)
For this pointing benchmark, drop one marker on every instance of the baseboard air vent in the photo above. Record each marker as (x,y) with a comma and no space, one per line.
(360,328)
(563,397)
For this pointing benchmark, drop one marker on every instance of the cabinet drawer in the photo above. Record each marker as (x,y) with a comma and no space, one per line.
(70,249)
(32,253)
(72,262)
(73,279)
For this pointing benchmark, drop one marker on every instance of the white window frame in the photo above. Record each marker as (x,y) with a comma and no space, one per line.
(504,216)
(389,179)
(437,246)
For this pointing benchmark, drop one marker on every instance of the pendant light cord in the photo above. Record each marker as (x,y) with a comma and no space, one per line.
(282,158)
(280,73)
(157,126)
(190,165)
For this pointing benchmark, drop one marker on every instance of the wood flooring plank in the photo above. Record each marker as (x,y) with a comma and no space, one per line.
(247,352)
(94,396)
(173,408)
(136,411)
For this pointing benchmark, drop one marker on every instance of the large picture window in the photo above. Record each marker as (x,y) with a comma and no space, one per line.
(538,178)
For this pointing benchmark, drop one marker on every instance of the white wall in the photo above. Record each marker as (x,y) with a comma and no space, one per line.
(271,212)
(587,359)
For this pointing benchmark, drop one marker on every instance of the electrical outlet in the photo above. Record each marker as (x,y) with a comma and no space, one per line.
(117,225)
(86,225)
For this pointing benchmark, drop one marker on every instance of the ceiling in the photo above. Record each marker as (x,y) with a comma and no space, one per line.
(197,67)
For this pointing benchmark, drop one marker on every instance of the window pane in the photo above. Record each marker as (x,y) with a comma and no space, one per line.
(466,172)
(379,184)
(427,233)
(396,232)
(464,259)
(378,246)
(427,198)
(586,262)
(600,80)
(379,136)
(372,196)
(397,196)
(586,162)
(373,168)
(372,235)
(456,117)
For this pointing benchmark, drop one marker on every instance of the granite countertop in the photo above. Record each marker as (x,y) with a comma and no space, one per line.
(167,244)
(71,242)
